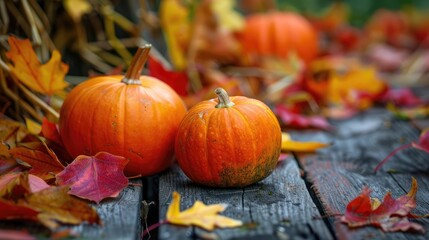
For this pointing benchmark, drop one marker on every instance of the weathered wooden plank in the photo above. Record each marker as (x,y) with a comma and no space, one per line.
(120,216)
(339,173)
(268,208)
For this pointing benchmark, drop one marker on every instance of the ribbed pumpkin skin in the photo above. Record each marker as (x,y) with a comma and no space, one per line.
(138,122)
(278,34)
(228,147)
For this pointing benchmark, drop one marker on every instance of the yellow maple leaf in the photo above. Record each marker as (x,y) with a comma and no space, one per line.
(32,126)
(174,18)
(229,19)
(200,215)
(45,78)
(289,145)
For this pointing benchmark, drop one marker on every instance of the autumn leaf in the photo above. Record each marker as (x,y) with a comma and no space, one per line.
(294,146)
(229,19)
(390,215)
(410,113)
(13,211)
(47,78)
(32,126)
(200,215)
(42,160)
(50,132)
(12,132)
(300,121)
(178,80)
(422,144)
(28,183)
(175,23)
(95,178)
(56,205)
(401,97)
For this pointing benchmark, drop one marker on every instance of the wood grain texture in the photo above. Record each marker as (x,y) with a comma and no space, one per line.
(279,203)
(120,216)
(339,173)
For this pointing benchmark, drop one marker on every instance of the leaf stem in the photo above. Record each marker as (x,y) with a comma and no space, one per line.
(153,226)
(133,74)
(223,97)
(391,154)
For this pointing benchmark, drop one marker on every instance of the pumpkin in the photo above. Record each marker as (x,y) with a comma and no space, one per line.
(228,142)
(278,34)
(133,116)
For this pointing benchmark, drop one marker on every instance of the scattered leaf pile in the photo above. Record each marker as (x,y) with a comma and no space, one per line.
(35,186)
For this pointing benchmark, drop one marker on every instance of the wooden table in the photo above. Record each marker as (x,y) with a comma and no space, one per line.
(297,198)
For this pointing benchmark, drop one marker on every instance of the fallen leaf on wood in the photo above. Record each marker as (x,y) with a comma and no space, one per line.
(57,206)
(200,215)
(42,160)
(401,97)
(390,215)
(95,178)
(422,144)
(47,78)
(291,119)
(294,146)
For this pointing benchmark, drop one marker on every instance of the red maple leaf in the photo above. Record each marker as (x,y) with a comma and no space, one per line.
(389,215)
(50,132)
(95,177)
(176,80)
(297,120)
(422,144)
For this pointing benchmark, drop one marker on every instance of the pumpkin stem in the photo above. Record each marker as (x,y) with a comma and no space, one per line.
(134,71)
(223,97)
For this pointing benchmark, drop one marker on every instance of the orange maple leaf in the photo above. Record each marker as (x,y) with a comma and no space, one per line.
(45,78)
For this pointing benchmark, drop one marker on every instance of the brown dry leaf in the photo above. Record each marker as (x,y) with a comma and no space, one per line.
(294,146)
(47,78)
(57,206)
(200,215)
(43,160)
(12,132)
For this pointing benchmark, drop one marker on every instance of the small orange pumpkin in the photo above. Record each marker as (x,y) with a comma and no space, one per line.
(229,142)
(277,34)
(133,116)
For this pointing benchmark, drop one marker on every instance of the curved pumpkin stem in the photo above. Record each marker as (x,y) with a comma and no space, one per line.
(134,71)
(223,97)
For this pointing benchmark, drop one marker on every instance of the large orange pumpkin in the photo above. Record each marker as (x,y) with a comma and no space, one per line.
(133,116)
(229,142)
(278,34)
